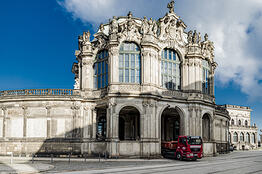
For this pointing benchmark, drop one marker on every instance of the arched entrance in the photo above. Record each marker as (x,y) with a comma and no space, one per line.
(129,124)
(170,125)
(206,127)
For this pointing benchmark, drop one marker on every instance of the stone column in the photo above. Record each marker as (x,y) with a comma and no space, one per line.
(185,77)
(198,122)
(112,130)
(212,128)
(48,115)
(76,125)
(94,116)
(190,116)
(145,73)
(87,81)
(159,71)
(4,122)
(113,63)
(25,121)
(87,123)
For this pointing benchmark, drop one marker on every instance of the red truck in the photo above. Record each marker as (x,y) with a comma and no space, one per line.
(186,147)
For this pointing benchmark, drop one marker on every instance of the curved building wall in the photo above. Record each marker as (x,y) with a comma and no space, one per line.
(128,97)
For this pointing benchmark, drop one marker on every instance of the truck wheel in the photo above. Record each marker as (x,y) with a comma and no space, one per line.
(178,156)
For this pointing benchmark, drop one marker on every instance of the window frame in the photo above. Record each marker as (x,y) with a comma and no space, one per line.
(206,77)
(170,69)
(129,63)
(100,69)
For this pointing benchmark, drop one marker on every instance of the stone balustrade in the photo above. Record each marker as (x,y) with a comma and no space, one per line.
(40,92)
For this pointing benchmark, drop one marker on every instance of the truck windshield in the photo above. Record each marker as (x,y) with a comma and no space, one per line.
(194,141)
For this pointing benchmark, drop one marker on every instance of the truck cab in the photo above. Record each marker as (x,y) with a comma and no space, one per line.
(186,147)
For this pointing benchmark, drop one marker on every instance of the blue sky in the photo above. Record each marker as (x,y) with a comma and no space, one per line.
(38,40)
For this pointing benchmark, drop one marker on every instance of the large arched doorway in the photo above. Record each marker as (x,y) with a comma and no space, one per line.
(170,125)
(206,127)
(129,124)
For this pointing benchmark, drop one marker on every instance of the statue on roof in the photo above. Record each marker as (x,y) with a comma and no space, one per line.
(113,25)
(171,6)
(145,26)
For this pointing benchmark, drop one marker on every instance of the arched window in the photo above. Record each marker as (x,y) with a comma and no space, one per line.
(235,137)
(129,63)
(101,70)
(232,122)
(241,137)
(246,123)
(170,70)
(206,77)
(239,122)
(247,138)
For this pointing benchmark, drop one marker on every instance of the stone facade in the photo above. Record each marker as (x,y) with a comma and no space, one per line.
(139,82)
(242,134)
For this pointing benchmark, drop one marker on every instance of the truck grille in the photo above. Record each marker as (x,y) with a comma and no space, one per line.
(195,149)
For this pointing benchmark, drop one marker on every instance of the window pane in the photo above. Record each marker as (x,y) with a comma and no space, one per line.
(127,75)
(99,82)
(174,55)
(106,67)
(133,61)
(127,60)
(121,76)
(106,79)
(138,76)
(103,81)
(137,61)
(95,69)
(170,55)
(99,68)
(169,68)
(165,70)
(165,53)
(121,61)
(103,67)
(132,76)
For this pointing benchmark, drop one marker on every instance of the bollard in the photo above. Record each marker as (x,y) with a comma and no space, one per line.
(11,159)
(33,158)
(99,156)
(85,155)
(52,156)
(69,156)
(105,155)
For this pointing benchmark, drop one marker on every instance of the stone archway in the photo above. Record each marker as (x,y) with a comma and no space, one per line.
(206,128)
(170,125)
(129,124)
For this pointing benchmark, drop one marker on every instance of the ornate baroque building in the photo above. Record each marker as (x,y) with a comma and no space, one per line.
(242,134)
(139,82)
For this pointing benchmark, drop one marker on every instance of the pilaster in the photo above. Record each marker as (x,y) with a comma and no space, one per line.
(4,121)
(24,121)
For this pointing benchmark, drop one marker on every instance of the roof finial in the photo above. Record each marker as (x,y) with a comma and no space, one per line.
(171,6)
(129,14)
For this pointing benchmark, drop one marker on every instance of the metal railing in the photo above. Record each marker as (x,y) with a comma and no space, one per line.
(41,92)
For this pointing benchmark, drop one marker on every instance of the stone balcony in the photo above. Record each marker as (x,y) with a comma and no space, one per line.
(242,126)
(39,92)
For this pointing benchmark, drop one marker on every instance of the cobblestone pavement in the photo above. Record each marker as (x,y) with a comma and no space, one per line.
(234,163)
(237,162)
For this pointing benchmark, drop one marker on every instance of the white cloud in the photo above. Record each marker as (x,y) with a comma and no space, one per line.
(238,52)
